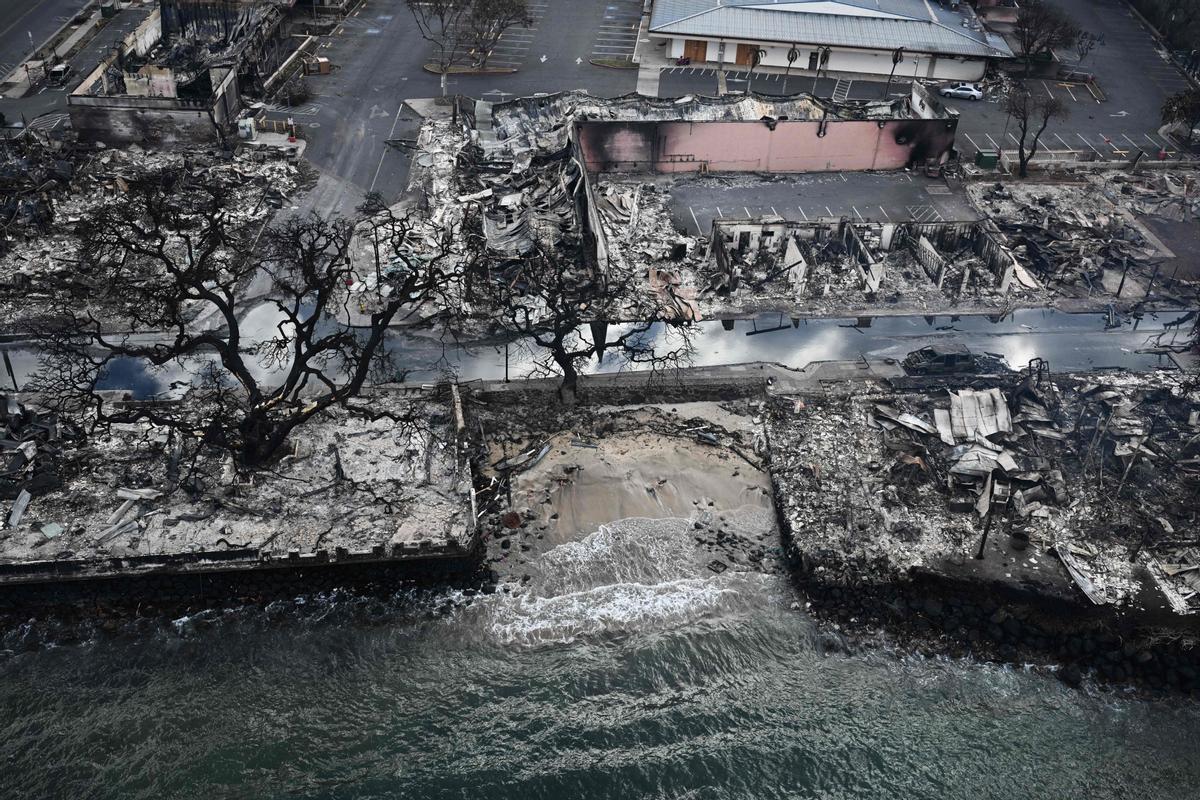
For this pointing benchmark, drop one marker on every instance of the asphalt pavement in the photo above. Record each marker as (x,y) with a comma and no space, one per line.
(378,55)
(858,196)
(26,24)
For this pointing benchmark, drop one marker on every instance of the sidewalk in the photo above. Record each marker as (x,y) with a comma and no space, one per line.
(650,60)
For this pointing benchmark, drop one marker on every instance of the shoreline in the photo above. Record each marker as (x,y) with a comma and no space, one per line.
(921,609)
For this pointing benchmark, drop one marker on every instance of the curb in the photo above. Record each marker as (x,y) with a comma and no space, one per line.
(433,70)
(596,63)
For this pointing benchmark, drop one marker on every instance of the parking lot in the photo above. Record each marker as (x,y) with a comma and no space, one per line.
(1134,78)
(1111,122)
(857,196)
(617,31)
(513,48)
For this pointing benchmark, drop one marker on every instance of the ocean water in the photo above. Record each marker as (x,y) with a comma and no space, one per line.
(623,668)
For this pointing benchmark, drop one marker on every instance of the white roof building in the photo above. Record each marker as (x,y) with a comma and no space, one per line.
(942,42)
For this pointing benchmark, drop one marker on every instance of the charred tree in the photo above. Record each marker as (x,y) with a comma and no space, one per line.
(543,303)
(1041,28)
(1032,116)
(488,21)
(166,278)
(444,24)
(1183,108)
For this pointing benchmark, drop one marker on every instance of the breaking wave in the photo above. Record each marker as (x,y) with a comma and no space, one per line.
(604,610)
(634,575)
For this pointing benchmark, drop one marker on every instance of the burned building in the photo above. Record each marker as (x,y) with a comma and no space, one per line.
(838,265)
(181,75)
(631,189)
(124,505)
(536,172)
(1080,485)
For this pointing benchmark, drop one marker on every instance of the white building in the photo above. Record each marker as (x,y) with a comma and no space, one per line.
(942,42)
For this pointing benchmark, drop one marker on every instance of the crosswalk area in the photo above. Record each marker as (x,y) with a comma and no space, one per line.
(616,35)
(306,110)
(49,122)
(364,26)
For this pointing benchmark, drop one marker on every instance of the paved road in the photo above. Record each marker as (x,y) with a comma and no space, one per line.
(379,56)
(26,24)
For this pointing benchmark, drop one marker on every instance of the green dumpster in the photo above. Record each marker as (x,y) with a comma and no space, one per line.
(987,159)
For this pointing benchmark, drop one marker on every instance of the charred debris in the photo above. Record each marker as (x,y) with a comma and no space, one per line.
(1087,239)
(1077,486)
(51,185)
(384,477)
(581,178)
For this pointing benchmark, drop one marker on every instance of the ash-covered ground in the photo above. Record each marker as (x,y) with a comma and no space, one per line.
(357,478)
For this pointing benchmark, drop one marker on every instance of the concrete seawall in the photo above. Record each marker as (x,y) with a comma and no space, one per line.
(208,580)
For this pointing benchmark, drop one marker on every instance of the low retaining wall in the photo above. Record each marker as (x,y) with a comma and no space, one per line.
(1001,622)
(266,580)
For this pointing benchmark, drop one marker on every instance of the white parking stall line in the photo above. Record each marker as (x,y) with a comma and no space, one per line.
(1047,88)
(993,141)
(972,141)
(1159,144)
(857,214)
(1089,144)
(1131,141)
(699,231)
(885,214)
(1014,138)
(719,214)
(1064,142)
(773,211)
(748,214)
(1068,88)
(803,214)
(830,213)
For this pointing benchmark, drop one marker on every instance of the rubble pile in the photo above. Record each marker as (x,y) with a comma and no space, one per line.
(827,267)
(1083,240)
(31,447)
(41,262)
(1096,475)
(637,218)
(34,168)
(357,479)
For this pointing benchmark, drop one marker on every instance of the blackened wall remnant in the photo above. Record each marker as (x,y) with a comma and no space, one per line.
(619,146)
(926,139)
(767,145)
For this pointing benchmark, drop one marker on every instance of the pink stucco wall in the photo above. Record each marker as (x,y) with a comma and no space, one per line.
(793,146)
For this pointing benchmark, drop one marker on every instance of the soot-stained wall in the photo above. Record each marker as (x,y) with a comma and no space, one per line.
(784,146)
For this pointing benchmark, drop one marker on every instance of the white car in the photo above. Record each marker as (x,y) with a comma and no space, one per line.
(964,91)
